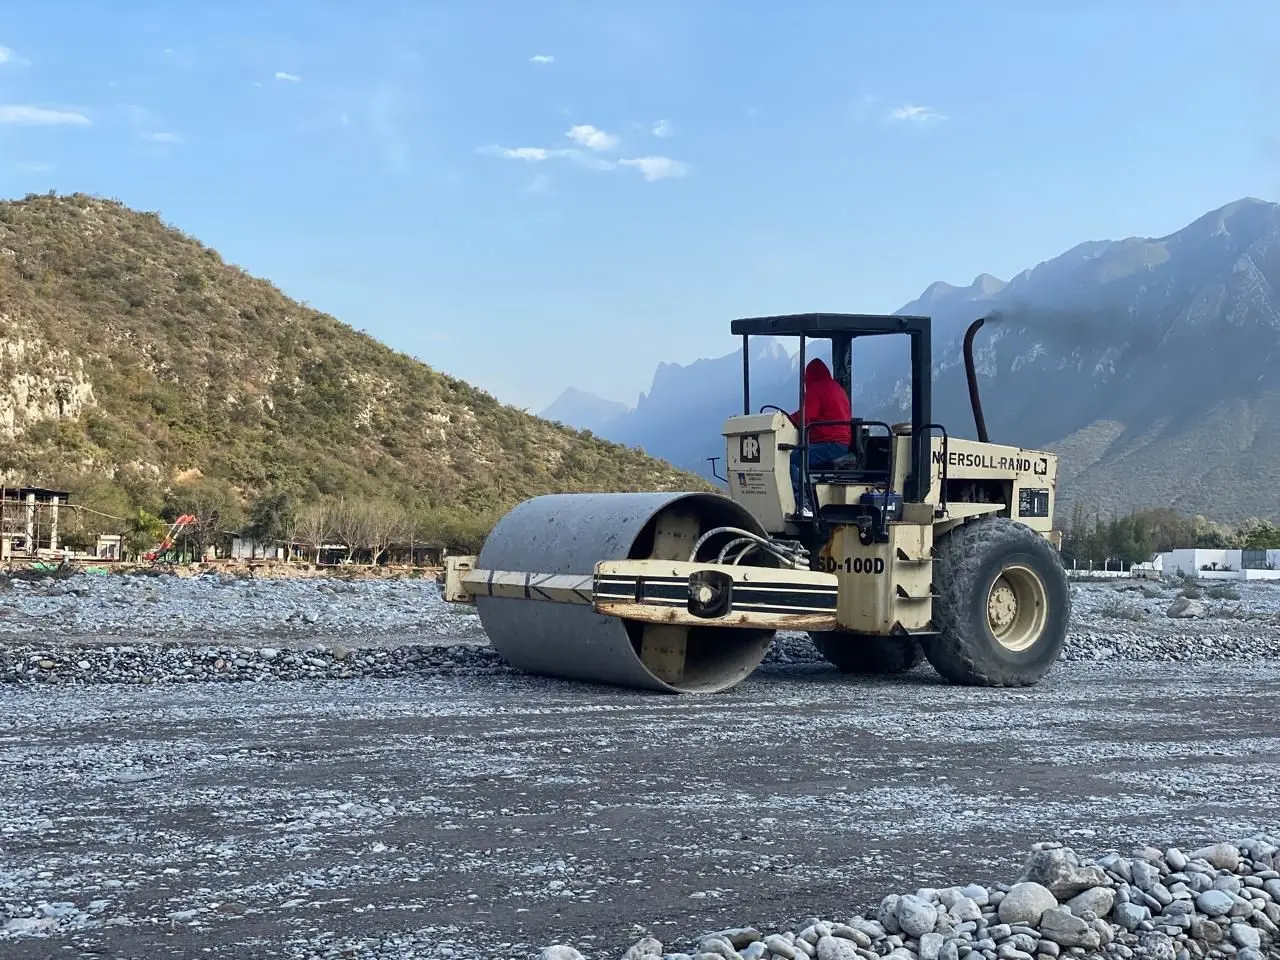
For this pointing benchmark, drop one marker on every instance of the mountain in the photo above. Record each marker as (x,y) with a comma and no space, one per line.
(584,411)
(1152,365)
(685,407)
(133,356)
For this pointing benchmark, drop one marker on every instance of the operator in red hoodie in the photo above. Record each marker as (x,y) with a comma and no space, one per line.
(824,399)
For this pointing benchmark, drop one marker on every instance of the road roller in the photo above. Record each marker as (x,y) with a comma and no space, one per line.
(914,545)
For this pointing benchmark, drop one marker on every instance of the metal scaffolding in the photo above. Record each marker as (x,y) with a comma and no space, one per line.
(29,521)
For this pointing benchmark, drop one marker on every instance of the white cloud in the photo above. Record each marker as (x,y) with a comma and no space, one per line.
(542,58)
(542,154)
(40,117)
(291,77)
(915,114)
(532,154)
(651,168)
(163,137)
(662,128)
(657,168)
(10,57)
(591,138)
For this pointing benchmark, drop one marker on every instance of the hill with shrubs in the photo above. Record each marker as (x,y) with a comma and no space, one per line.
(150,378)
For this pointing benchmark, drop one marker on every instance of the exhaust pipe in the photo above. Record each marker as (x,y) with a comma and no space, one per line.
(979,421)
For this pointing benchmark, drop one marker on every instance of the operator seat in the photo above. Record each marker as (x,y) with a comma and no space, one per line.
(857,450)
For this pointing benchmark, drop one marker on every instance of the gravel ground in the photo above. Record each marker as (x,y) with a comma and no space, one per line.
(212,607)
(433,803)
(159,628)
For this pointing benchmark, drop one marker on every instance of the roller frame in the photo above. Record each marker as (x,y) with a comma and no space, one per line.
(660,591)
(634,589)
(562,567)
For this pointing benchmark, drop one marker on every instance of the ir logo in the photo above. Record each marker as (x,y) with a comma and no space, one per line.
(749,448)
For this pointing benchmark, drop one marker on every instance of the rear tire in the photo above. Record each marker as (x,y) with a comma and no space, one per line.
(1003,608)
(866,653)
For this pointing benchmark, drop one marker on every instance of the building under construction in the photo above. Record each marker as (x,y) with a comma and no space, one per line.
(29,521)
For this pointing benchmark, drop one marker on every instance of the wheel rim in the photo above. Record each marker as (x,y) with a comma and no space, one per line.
(1016,608)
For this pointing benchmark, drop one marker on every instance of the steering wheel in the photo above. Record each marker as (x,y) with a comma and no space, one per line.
(770,406)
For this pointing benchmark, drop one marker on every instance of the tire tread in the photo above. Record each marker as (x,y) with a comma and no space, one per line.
(868,654)
(955,653)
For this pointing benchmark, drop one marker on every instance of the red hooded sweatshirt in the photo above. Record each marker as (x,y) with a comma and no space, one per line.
(824,399)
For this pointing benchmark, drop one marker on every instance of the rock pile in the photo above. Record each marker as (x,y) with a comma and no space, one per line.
(1132,646)
(1219,901)
(1141,600)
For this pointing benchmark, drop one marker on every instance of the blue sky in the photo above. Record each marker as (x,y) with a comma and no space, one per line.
(530,195)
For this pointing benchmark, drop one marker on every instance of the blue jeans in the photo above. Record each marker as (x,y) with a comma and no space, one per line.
(820,454)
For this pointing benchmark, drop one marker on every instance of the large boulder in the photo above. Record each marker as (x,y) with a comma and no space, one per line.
(1067,930)
(1184,608)
(1025,904)
(1059,870)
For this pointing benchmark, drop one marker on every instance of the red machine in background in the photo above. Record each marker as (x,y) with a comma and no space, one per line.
(170,538)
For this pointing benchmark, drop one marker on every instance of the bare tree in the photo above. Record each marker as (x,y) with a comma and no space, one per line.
(290,524)
(416,527)
(215,505)
(350,521)
(313,526)
(386,521)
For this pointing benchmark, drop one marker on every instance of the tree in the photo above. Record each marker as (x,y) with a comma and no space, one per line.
(1074,535)
(273,517)
(97,507)
(385,522)
(1169,529)
(1136,536)
(1130,539)
(214,503)
(1262,536)
(144,532)
(1212,536)
(289,533)
(416,525)
(455,529)
(349,523)
(313,525)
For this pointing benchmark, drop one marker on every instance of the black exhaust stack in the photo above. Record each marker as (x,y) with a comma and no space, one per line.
(974,400)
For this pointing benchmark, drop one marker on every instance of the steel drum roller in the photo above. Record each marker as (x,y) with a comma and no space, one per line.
(569,534)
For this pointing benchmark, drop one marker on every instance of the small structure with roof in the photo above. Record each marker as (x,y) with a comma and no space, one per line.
(29,521)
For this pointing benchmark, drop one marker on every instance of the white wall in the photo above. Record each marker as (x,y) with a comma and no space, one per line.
(1192,562)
